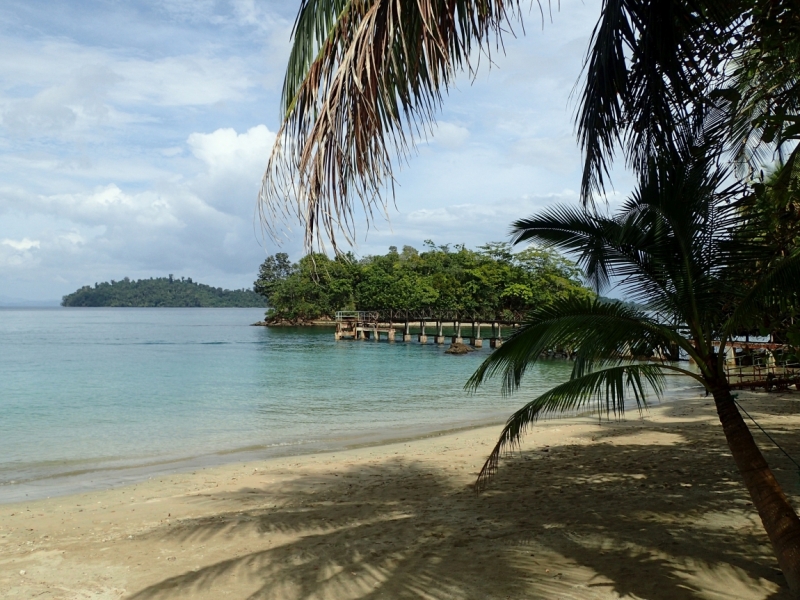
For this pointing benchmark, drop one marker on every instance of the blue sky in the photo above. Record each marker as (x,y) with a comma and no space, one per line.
(133,136)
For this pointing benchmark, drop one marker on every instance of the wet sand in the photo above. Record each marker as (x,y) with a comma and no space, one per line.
(644,508)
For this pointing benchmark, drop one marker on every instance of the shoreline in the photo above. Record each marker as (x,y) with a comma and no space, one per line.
(99,477)
(649,507)
(103,476)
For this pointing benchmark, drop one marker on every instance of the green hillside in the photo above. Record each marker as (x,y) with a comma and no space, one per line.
(161,291)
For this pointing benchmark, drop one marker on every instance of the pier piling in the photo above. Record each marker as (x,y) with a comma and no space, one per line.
(365,325)
(457,339)
(497,337)
(422,338)
(439,333)
(475,341)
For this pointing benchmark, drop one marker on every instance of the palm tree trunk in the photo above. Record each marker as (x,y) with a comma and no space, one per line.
(777,515)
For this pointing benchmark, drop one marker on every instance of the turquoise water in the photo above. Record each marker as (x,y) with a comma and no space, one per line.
(95,397)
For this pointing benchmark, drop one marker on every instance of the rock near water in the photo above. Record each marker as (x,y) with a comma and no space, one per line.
(459,349)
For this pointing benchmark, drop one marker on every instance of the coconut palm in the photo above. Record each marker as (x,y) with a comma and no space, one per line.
(671,247)
(367,77)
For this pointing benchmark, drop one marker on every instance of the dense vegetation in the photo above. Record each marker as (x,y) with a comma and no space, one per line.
(698,98)
(161,291)
(491,281)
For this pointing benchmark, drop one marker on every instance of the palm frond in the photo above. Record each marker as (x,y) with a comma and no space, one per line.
(763,85)
(606,389)
(649,68)
(778,287)
(599,333)
(313,27)
(668,246)
(365,80)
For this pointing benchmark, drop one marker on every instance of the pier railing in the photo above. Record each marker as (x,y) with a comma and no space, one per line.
(770,376)
(362,316)
(431,315)
(377,325)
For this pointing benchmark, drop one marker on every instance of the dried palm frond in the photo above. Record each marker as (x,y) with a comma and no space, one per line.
(365,80)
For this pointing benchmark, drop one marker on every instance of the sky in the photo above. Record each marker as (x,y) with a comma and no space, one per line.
(133,138)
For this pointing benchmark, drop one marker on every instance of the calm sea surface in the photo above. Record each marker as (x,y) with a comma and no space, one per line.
(96,397)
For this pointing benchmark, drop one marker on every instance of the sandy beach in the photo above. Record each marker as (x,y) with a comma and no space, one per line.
(644,508)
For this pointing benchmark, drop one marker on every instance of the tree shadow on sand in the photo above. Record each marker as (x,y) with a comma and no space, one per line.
(663,520)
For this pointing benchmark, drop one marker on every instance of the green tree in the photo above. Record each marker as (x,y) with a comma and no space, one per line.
(672,245)
(466,282)
(316,287)
(271,273)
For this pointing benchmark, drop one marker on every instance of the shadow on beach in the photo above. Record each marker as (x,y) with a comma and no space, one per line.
(663,520)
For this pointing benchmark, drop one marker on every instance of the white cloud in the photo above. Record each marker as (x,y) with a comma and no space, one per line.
(225,150)
(23,244)
(200,223)
(181,81)
(450,135)
(106,91)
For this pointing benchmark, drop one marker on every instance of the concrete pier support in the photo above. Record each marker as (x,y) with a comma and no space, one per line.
(475,341)
(457,339)
(439,333)
(361,335)
(377,335)
(391,336)
(422,338)
(497,337)
(407,332)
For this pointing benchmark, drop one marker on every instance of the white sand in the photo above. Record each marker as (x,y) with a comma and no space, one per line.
(650,508)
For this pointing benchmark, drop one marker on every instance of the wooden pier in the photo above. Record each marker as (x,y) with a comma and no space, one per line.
(365,325)
(770,377)
(763,370)
(754,368)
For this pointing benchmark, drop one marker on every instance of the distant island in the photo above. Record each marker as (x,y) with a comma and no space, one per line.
(162,292)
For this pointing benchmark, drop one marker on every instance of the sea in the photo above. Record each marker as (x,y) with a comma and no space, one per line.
(97,397)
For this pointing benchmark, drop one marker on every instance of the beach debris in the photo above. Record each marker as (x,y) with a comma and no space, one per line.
(457,348)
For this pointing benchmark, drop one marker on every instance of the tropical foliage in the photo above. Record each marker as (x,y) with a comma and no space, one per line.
(367,77)
(682,88)
(161,291)
(491,282)
(677,244)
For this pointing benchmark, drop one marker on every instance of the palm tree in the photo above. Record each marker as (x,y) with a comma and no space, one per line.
(670,246)
(367,77)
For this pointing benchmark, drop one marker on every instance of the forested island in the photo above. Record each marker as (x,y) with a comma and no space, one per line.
(162,292)
(492,280)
